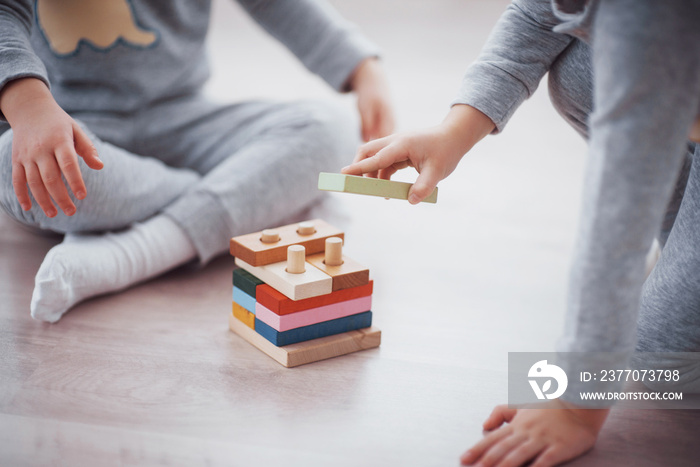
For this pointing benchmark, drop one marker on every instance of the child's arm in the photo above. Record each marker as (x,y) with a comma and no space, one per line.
(44,144)
(368,81)
(551,434)
(45,138)
(334,49)
(434,152)
(518,53)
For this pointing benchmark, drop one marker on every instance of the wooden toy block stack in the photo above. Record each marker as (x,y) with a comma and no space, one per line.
(296,296)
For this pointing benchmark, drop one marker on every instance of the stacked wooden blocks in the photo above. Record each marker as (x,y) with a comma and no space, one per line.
(297,297)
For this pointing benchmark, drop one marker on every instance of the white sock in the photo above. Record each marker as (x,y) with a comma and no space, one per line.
(87,265)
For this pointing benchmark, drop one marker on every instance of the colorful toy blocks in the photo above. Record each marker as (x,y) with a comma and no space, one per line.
(270,246)
(368,186)
(303,309)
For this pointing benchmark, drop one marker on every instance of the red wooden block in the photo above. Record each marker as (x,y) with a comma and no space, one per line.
(282,305)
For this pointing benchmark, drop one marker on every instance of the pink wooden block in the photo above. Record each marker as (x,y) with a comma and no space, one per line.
(313,315)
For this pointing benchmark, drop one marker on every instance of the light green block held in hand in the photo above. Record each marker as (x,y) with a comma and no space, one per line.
(368,186)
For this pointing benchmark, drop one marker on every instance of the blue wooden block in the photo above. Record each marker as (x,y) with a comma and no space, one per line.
(244,300)
(314,331)
(246,281)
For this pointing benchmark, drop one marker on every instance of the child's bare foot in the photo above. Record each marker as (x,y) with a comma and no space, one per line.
(547,434)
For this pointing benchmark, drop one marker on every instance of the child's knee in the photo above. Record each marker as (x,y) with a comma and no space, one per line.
(333,128)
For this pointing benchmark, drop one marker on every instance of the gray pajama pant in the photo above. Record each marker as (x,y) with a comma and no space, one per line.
(216,170)
(669,314)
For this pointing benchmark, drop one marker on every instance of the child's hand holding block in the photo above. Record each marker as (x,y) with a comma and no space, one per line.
(368,186)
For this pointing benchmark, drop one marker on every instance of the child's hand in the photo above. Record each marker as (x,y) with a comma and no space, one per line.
(370,85)
(46,144)
(434,152)
(549,435)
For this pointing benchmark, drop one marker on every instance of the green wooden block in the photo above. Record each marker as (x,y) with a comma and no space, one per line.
(246,281)
(368,186)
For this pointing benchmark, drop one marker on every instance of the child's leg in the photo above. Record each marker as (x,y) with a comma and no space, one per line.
(570,82)
(129,189)
(260,162)
(669,316)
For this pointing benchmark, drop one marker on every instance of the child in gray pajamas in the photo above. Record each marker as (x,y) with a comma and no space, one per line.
(642,58)
(146,173)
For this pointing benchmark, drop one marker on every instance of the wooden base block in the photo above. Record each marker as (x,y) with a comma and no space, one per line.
(283,305)
(368,186)
(312,316)
(311,283)
(314,331)
(243,315)
(347,275)
(313,350)
(253,251)
(244,300)
(245,281)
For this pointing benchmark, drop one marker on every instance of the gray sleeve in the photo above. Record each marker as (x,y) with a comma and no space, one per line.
(647,94)
(326,44)
(17,59)
(517,54)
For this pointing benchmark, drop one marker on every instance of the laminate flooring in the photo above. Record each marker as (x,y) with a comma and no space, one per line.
(152,376)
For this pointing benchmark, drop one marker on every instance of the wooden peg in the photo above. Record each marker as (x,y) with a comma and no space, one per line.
(334,251)
(296,259)
(306,228)
(270,236)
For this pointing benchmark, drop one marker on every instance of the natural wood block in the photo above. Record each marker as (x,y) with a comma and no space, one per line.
(251,249)
(314,315)
(310,351)
(368,186)
(348,274)
(314,331)
(296,259)
(311,283)
(282,305)
(243,315)
(245,281)
(244,300)
(334,251)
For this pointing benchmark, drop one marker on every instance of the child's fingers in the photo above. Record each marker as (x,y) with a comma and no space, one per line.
(68,162)
(51,176)
(475,452)
(370,149)
(522,454)
(550,456)
(41,195)
(385,122)
(425,184)
(19,183)
(499,415)
(500,449)
(385,174)
(85,148)
(369,123)
(384,158)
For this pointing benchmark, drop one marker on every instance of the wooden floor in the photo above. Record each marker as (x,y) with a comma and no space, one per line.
(152,376)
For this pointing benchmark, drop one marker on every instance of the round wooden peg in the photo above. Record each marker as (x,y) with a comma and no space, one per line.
(306,228)
(270,236)
(296,259)
(334,251)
